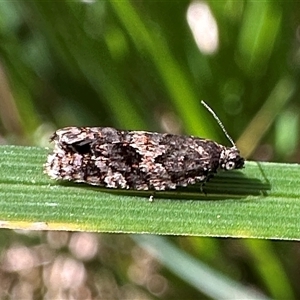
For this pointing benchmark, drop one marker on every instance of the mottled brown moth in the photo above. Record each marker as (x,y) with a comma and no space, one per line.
(139,160)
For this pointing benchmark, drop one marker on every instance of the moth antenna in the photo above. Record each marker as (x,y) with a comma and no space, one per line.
(219,122)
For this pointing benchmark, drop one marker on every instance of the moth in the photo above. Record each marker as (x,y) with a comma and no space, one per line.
(138,160)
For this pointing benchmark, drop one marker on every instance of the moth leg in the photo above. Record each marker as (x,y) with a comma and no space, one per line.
(201,188)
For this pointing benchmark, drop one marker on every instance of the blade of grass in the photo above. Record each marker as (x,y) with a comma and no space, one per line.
(196,273)
(269,268)
(176,81)
(280,95)
(262,201)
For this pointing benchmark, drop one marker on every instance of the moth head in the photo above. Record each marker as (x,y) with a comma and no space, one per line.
(231,159)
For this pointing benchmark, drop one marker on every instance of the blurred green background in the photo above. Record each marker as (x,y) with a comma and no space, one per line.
(146,65)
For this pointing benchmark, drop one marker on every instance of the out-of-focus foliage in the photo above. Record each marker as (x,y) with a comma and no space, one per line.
(136,65)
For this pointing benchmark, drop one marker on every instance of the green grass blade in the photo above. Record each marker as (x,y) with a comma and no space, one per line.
(177,82)
(260,201)
(196,273)
(269,268)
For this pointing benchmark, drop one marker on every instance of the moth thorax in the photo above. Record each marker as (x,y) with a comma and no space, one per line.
(230,159)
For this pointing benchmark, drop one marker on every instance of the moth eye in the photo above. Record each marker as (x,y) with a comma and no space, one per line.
(230,165)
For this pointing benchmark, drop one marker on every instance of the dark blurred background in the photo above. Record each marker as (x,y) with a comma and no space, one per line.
(146,65)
